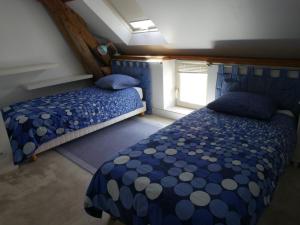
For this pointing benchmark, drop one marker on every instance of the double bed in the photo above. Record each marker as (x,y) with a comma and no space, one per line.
(206,168)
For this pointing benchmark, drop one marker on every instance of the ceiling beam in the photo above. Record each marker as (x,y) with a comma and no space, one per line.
(219,60)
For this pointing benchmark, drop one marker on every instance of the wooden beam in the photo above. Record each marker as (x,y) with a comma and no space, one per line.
(218,60)
(76,33)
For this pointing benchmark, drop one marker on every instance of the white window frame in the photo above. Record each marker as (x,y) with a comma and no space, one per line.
(178,102)
(140,30)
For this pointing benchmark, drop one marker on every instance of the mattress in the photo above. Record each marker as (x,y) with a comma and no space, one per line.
(32,123)
(207,168)
(84,131)
(139,91)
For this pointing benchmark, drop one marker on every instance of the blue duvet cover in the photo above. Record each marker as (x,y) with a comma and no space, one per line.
(207,168)
(32,123)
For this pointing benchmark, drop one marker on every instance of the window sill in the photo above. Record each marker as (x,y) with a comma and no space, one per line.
(180,110)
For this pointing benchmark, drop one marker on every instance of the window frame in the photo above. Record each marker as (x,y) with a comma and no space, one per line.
(137,30)
(178,102)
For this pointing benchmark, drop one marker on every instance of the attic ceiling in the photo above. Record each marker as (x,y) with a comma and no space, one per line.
(129,10)
(244,28)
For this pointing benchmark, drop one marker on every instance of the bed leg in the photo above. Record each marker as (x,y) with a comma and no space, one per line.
(34,157)
(142,114)
(113,218)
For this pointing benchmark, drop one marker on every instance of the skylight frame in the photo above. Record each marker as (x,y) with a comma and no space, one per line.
(142,26)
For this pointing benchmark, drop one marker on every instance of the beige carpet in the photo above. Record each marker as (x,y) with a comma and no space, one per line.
(51,191)
(48,191)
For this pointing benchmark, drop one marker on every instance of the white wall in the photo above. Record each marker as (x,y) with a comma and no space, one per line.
(169,83)
(147,38)
(102,19)
(156,70)
(237,28)
(29,36)
(105,21)
(128,9)
(198,23)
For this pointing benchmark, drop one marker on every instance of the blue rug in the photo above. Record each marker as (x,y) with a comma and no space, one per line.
(92,150)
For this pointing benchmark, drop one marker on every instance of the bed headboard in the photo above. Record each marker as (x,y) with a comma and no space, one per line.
(139,70)
(282,85)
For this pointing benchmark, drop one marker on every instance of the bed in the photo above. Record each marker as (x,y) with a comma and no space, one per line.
(207,168)
(41,124)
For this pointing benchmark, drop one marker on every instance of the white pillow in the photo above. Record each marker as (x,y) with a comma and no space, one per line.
(286,112)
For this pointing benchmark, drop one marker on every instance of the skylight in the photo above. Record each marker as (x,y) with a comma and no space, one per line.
(143,26)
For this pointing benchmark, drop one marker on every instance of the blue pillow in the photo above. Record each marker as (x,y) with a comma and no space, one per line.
(244,104)
(117,82)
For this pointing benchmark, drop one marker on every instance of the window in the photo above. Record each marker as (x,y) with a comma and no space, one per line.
(191,84)
(143,26)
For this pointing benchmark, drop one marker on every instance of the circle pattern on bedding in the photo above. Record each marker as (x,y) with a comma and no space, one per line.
(188,174)
(32,123)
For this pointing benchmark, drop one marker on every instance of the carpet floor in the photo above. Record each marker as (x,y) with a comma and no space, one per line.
(92,150)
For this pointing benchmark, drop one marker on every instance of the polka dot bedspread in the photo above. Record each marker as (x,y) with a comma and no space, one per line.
(205,169)
(32,123)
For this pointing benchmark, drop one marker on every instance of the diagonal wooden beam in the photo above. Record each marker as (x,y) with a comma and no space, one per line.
(76,33)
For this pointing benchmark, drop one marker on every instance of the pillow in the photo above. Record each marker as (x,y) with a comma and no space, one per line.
(286,112)
(117,82)
(244,104)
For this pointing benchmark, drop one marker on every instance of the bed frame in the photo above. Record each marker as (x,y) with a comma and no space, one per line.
(6,156)
(84,131)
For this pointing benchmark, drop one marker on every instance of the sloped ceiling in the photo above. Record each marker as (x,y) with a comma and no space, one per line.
(128,9)
(246,28)
(199,23)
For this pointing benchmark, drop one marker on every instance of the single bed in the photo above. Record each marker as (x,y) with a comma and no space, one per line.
(207,168)
(89,129)
(40,124)
(44,123)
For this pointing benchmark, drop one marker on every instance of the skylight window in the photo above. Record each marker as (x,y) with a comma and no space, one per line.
(143,26)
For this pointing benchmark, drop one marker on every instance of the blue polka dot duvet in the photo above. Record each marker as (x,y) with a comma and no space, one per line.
(205,169)
(32,123)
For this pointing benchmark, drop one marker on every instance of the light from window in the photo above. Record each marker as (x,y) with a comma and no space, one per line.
(191,84)
(193,88)
(143,26)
